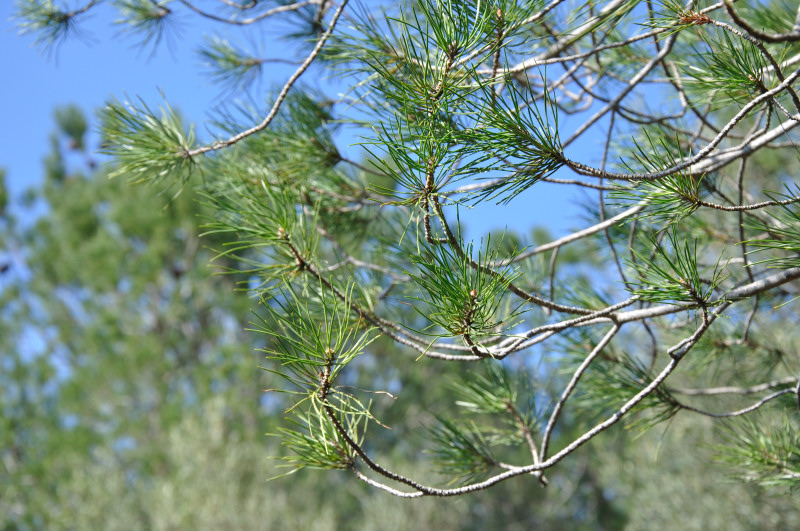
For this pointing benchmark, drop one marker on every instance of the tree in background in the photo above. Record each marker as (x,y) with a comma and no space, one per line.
(676,299)
(113,334)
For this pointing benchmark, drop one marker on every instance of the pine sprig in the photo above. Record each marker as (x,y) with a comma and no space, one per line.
(501,394)
(514,137)
(462,300)
(146,146)
(315,446)
(501,414)
(312,337)
(51,23)
(312,340)
(273,240)
(669,199)
(462,451)
(672,16)
(416,159)
(454,25)
(784,234)
(763,450)
(734,70)
(150,20)
(672,274)
(230,66)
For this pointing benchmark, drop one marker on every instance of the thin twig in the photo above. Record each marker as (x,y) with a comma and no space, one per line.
(281,96)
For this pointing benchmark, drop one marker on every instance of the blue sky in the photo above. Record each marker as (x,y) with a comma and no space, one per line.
(87,71)
(101,62)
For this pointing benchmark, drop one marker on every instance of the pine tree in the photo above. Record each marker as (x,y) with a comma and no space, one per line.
(676,298)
